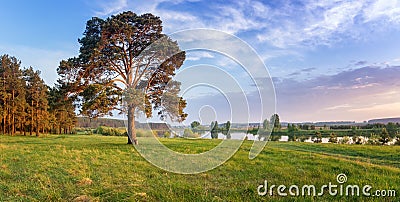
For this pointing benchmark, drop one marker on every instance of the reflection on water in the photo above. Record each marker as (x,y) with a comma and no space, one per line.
(221,135)
(233,136)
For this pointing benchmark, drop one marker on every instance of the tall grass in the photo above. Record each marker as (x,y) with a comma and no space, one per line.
(104,168)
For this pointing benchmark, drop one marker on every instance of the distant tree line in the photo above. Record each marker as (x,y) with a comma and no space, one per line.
(28,105)
(86,122)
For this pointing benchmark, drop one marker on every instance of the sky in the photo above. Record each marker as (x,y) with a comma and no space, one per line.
(329,60)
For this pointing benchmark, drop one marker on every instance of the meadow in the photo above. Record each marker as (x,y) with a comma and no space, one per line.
(105,168)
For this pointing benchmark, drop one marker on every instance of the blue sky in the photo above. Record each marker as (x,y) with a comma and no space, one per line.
(329,60)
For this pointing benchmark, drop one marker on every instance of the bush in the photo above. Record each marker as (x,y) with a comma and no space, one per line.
(333,138)
(303,138)
(385,137)
(397,139)
(109,131)
(318,138)
(189,133)
(358,140)
(374,140)
(345,140)
(167,134)
(274,137)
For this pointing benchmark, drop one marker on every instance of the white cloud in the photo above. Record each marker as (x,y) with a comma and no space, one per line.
(318,24)
(389,9)
(337,18)
(327,22)
(307,24)
(260,9)
(172,20)
(175,21)
(234,18)
(197,55)
(350,95)
(377,109)
(336,107)
(111,7)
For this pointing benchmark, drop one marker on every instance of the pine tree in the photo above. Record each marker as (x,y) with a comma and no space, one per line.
(62,115)
(12,93)
(116,60)
(37,100)
(24,101)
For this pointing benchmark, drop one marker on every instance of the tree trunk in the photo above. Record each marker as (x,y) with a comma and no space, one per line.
(9,121)
(23,128)
(4,124)
(131,126)
(5,105)
(23,122)
(31,128)
(37,119)
(13,114)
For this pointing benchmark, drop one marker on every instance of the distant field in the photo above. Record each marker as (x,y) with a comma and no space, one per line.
(99,168)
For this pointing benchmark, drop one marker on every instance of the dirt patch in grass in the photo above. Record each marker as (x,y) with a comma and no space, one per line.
(85,181)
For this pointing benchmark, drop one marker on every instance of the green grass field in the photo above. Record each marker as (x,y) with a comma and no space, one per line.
(98,168)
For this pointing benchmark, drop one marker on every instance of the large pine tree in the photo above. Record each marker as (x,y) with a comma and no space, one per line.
(114,58)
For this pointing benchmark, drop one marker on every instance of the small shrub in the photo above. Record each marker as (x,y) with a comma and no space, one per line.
(385,137)
(333,138)
(274,137)
(109,131)
(358,140)
(167,134)
(318,138)
(374,140)
(345,140)
(189,133)
(397,141)
(303,138)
